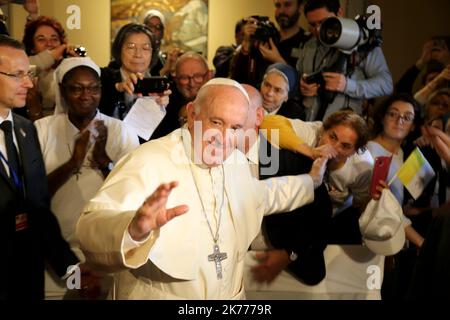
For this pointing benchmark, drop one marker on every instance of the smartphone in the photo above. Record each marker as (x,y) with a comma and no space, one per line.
(380,172)
(151,85)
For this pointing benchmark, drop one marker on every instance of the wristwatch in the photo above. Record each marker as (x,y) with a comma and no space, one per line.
(293,256)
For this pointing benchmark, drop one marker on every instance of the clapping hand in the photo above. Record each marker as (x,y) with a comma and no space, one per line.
(100,158)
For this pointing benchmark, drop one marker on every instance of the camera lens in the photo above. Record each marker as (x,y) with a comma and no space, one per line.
(330,31)
(341,33)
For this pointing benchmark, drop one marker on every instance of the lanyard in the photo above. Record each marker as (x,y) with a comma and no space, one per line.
(15,177)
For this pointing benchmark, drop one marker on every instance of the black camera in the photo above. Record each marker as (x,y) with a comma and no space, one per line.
(316,77)
(151,85)
(80,51)
(265,30)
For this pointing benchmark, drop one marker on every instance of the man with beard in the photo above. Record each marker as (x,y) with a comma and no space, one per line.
(249,64)
(287,15)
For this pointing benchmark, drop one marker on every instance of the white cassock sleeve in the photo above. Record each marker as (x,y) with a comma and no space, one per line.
(284,194)
(103,226)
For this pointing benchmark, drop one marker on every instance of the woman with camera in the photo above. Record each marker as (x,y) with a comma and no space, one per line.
(46,44)
(133,52)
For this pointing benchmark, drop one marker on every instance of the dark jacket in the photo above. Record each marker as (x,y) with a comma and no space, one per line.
(431,277)
(304,230)
(110,96)
(25,251)
(292,109)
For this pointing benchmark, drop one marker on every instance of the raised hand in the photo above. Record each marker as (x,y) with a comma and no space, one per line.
(270,52)
(59,51)
(128,84)
(439,140)
(32,7)
(426,54)
(153,213)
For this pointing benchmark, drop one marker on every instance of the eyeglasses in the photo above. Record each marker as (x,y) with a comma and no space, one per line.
(197,77)
(133,47)
(407,117)
(42,39)
(155,26)
(76,90)
(20,76)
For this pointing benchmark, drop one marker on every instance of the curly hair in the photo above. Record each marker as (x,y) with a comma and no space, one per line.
(382,109)
(32,26)
(352,120)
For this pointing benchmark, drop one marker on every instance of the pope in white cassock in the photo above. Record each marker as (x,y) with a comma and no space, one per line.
(216,204)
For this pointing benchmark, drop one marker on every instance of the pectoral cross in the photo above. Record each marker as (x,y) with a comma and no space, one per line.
(217,257)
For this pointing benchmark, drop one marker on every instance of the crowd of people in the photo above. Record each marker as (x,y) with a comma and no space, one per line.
(253,181)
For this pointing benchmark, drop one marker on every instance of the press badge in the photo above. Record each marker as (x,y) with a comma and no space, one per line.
(21,222)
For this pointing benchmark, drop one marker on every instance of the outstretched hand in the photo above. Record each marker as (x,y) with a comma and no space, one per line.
(318,170)
(153,213)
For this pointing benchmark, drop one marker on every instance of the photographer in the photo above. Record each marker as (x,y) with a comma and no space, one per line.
(263,44)
(165,64)
(46,44)
(346,79)
(436,49)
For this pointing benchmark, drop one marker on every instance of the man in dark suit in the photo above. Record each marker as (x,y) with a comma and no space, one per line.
(298,238)
(29,232)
